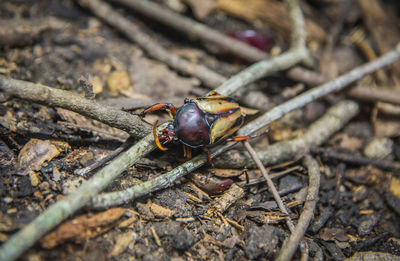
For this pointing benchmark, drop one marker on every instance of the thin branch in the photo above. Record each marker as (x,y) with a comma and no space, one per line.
(353,159)
(332,121)
(200,31)
(274,152)
(68,100)
(65,207)
(155,50)
(288,249)
(375,94)
(27,236)
(194,29)
(320,91)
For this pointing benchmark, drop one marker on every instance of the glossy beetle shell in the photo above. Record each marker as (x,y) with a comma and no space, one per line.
(207,120)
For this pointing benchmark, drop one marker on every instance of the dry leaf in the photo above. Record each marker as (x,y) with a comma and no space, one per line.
(118,81)
(395,187)
(34,154)
(272,12)
(201,9)
(350,143)
(160,211)
(83,227)
(122,241)
(330,234)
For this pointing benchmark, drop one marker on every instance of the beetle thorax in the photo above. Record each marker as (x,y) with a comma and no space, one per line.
(191,126)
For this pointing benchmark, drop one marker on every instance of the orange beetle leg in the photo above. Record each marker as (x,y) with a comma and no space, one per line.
(188,152)
(156,137)
(205,149)
(160,106)
(248,137)
(213,93)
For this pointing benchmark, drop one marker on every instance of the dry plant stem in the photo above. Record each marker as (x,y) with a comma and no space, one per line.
(68,100)
(271,185)
(135,34)
(375,94)
(318,132)
(288,250)
(195,30)
(338,116)
(320,91)
(297,53)
(26,237)
(62,209)
(274,191)
(350,158)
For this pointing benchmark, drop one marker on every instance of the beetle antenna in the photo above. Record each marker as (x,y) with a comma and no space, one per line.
(156,137)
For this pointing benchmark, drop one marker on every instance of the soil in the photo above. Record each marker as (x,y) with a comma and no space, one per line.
(43,148)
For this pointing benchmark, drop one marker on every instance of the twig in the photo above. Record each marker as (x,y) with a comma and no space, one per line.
(104,160)
(200,31)
(62,209)
(341,170)
(338,115)
(375,94)
(68,100)
(274,191)
(20,32)
(26,237)
(332,121)
(308,77)
(155,50)
(290,247)
(350,158)
(195,30)
(317,92)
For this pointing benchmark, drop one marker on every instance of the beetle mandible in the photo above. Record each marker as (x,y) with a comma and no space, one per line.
(200,122)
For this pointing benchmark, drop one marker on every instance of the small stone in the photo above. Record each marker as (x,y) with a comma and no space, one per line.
(37,194)
(56,175)
(360,193)
(44,186)
(71,185)
(34,178)
(7,200)
(262,241)
(368,223)
(379,148)
(183,240)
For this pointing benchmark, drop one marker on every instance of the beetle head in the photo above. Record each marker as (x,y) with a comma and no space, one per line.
(167,135)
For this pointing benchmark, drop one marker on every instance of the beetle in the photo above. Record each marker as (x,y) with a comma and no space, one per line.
(200,122)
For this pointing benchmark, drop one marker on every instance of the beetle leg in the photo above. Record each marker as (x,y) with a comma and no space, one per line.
(156,137)
(160,106)
(248,137)
(205,149)
(213,93)
(187,151)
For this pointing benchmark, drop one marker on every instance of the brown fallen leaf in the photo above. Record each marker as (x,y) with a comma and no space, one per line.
(118,81)
(330,234)
(160,211)
(395,187)
(122,241)
(151,210)
(35,153)
(201,9)
(83,227)
(273,12)
(350,143)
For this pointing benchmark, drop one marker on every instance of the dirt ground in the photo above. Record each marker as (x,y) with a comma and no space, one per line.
(221,213)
